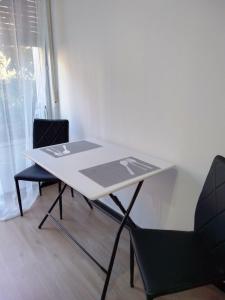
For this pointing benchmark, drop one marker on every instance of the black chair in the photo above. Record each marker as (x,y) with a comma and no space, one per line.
(45,133)
(172,261)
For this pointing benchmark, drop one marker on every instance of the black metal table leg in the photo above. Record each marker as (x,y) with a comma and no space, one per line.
(88,202)
(65,231)
(53,205)
(119,204)
(126,219)
(123,223)
(72,192)
(60,200)
(39,185)
(131,265)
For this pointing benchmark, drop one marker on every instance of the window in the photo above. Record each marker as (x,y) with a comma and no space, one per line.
(26,83)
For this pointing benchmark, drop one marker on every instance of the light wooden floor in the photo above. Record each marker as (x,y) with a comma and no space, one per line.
(42,264)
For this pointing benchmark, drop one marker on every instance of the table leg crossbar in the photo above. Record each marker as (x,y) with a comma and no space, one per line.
(70,237)
(121,207)
(126,219)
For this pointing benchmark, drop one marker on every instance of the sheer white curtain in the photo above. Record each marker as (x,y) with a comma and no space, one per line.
(26,91)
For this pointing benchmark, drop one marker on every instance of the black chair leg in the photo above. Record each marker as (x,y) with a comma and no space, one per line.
(60,202)
(72,192)
(39,185)
(19,196)
(131,265)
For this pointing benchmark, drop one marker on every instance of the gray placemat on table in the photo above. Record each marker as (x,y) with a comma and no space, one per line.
(66,149)
(118,171)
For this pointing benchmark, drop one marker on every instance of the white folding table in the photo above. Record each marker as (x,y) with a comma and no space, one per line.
(96,168)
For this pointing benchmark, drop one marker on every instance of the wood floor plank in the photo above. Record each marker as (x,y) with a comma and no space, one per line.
(42,264)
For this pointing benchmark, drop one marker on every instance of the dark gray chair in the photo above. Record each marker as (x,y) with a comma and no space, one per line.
(45,133)
(172,261)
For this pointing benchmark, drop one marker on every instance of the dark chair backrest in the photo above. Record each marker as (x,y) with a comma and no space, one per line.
(50,132)
(210,211)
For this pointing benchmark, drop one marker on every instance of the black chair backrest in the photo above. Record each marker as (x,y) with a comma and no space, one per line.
(210,211)
(50,132)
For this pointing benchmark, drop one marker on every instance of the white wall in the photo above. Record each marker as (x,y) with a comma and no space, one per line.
(149,74)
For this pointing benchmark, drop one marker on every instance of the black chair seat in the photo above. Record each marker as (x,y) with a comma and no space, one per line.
(36,173)
(171,261)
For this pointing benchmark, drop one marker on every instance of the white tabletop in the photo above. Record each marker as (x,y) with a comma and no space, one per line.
(67,168)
